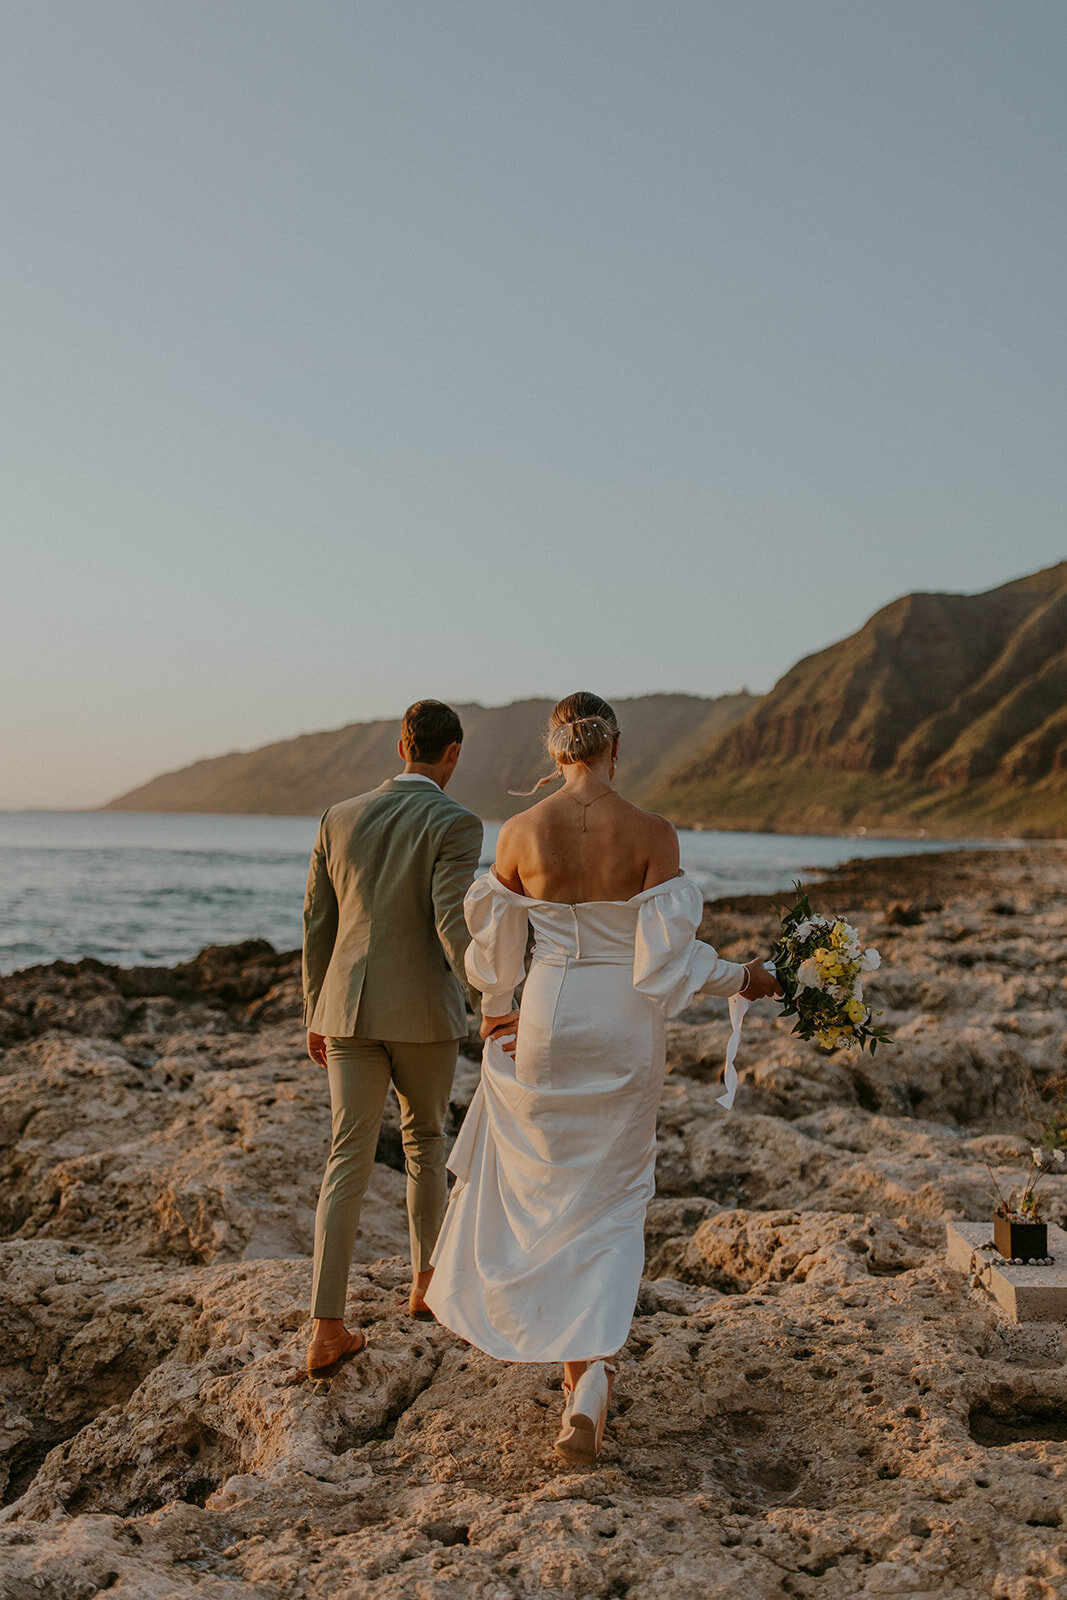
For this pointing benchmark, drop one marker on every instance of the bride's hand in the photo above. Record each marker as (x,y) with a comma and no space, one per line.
(506,1027)
(759,983)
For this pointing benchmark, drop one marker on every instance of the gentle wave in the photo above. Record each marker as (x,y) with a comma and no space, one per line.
(151,888)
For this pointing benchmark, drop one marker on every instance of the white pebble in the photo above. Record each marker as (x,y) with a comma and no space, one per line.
(1032,1261)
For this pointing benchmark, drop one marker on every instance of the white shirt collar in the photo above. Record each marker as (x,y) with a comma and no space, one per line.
(415,777)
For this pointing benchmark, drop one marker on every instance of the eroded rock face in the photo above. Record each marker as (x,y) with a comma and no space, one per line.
(810,1401)
(241,985)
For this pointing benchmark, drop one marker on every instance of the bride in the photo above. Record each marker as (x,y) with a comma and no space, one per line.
(542,1247)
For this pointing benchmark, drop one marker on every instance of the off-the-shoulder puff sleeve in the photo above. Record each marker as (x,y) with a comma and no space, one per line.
(671,966)
(496,955)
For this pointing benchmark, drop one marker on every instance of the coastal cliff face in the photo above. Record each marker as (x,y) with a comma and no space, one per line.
(810,1403)
(945,711)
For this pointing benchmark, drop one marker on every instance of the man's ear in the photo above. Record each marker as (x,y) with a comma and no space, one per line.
(400,749)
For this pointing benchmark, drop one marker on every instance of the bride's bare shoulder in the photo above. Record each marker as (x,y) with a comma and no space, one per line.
(510,837)
(655,826)
(517,826)
(526,827)
(661,844)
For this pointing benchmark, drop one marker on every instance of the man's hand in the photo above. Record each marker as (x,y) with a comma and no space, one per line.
(317,1048)
(507,1027)
(759,983)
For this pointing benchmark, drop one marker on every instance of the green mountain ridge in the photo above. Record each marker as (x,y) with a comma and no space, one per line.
(944,712)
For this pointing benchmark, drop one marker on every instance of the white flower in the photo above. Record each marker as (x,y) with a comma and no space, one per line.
(809,975)
(1038,1155)
(804,931)
(871,961)
(1060,1155)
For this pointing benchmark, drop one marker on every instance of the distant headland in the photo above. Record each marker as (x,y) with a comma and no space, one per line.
(944,713)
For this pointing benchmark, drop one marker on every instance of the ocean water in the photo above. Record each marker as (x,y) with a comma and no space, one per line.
(148,887)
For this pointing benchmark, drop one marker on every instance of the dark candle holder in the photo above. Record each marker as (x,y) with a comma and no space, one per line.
(1020,1241)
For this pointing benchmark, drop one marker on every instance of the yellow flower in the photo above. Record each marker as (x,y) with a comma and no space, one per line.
(857,1011)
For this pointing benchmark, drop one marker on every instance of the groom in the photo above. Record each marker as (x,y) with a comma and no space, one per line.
(385,1000)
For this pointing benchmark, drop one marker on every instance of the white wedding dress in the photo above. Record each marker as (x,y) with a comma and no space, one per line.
(541,1251)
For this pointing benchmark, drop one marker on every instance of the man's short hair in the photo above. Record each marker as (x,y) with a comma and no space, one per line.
(428,728)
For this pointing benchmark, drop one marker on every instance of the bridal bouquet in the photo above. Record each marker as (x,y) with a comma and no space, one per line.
(820,964)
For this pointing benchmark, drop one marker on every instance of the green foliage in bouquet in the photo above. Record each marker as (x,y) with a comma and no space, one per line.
(820,963)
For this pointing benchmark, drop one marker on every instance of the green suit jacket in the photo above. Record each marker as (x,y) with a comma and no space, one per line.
(384,932)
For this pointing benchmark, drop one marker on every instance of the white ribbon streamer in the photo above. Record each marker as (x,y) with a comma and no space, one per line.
(738,1006)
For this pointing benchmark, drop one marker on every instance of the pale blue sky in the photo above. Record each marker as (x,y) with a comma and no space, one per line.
(354,352)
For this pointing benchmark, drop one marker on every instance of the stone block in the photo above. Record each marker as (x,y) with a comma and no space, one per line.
(1027,1294)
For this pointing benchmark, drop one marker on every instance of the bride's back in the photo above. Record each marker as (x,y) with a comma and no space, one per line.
(571,850)
(585,842)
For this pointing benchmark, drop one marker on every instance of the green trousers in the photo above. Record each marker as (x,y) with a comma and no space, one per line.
(360,1072)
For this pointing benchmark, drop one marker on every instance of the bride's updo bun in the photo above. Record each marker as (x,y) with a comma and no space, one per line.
(581,728)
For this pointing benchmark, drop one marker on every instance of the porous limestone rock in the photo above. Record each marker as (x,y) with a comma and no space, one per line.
(810,1403)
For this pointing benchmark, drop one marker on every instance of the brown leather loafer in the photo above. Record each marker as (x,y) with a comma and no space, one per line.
(327,1356)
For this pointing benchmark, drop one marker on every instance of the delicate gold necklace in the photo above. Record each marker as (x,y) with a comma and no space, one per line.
(585,804)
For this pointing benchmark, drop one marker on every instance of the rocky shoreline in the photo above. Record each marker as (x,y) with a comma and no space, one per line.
(811,1402)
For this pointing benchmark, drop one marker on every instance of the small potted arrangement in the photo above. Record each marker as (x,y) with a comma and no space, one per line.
(1019,1230)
